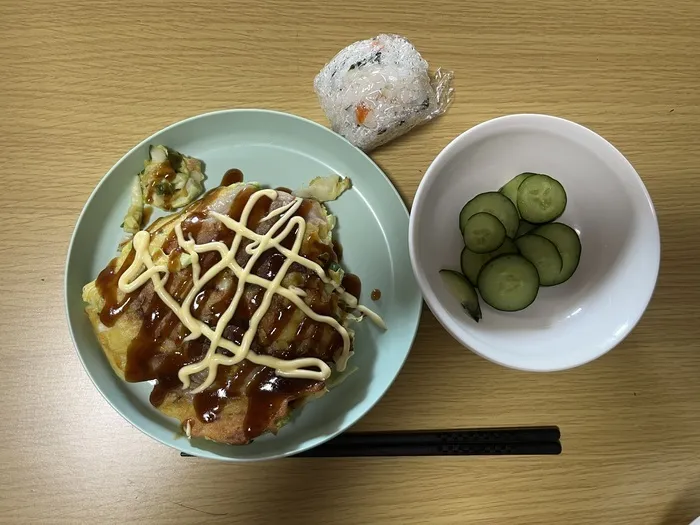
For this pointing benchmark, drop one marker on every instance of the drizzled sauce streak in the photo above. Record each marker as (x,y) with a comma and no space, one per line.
(232,176)
(161,183)
(106,283)
(159,351)
(352,284)
(209,404)
(273,392)
(147,213)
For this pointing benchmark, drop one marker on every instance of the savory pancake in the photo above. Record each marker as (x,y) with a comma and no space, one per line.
(229,365)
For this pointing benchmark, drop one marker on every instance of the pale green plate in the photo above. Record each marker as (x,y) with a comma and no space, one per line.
(275,149)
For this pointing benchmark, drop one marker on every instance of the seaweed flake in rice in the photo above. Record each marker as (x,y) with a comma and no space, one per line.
(378,89)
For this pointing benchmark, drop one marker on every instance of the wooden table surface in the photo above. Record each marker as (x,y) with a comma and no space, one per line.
(82,81)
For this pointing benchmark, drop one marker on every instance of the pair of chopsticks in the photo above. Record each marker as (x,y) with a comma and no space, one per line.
(484,442)
(519,441)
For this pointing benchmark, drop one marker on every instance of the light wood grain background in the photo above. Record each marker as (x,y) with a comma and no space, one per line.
(82,81)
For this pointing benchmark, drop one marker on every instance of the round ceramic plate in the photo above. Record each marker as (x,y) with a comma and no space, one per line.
(275,149)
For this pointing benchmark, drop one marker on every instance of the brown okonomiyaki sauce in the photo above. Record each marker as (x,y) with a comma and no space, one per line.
(232,176)
(147,213)
(158,352)
(352,284)
(161,184)
(107,283)
(376,294)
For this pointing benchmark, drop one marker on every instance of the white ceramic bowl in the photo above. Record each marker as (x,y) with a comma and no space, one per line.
(575,322)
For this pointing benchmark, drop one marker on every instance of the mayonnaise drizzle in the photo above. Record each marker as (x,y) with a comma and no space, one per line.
(131,280)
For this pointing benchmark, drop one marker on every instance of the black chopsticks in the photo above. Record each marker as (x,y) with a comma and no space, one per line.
(516,441)
(482,442)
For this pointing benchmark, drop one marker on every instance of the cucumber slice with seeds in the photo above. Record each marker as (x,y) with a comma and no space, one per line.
(544,255)
(541,199)
(510,189)
(472,263)
(509,283)
(568,244)
(483,233)
(463,291)
(497,205)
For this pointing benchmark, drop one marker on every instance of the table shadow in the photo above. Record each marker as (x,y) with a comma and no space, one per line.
(685,508)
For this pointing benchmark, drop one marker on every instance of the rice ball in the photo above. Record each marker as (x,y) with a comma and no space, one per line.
(378,89)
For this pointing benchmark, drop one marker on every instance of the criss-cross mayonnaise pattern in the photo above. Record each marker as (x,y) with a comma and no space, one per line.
(133,278)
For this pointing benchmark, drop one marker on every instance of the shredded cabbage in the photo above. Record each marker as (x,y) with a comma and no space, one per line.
(185,260)
(336,273)
(134,215)
(324,189)
(336,378)
(170,194)
(91,294)
(331,220)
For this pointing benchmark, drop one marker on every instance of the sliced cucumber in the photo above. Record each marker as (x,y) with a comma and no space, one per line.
(509,283)
(463,291)
(483,233)
(568,244)
(544,255)
(524,228)
(510,189)
(541,199)
(473,262)
(497,205)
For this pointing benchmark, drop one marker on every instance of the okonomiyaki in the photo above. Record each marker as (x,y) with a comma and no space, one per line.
(235,308)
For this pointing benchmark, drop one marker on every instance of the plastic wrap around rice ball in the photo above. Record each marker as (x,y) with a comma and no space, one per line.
(378,89)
